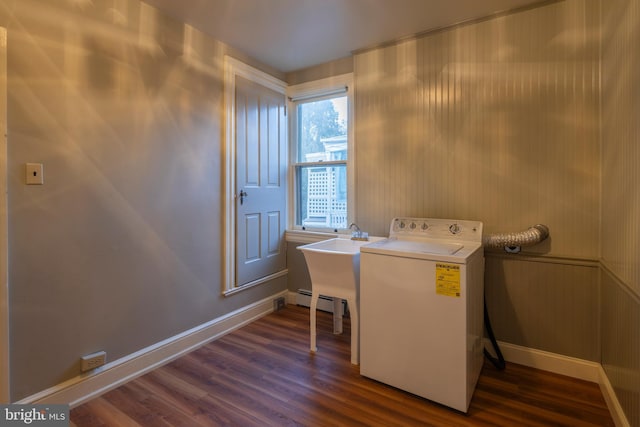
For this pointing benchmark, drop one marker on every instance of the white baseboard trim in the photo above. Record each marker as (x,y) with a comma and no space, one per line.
(292,297)
(552,362)
(90,385)
(609,394)
(565,365)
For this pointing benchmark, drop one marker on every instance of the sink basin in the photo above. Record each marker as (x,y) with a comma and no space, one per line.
(337,245)
(334,263)
(335,260)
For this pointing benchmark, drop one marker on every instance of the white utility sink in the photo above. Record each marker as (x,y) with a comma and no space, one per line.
(335,262)
(334,267)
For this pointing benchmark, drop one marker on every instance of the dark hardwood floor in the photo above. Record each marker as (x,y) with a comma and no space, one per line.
(264,375)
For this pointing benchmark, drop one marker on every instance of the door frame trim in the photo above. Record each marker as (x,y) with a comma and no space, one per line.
(4,227)
(232,69)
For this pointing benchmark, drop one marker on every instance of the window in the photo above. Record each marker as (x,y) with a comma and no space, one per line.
(321,154)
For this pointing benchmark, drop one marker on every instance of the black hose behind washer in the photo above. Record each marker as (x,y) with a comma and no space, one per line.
(532,236)
(498,362)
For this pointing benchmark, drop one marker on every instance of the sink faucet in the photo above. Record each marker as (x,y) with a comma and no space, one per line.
(358,234)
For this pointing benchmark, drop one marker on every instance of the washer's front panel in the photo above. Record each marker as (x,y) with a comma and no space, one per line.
(413,329)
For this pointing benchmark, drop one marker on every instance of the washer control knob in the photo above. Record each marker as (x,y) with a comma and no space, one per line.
(402,225)
(413,226)
(455,228)
(424,226)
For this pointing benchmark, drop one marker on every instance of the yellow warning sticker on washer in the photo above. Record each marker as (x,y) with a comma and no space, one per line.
(448,280)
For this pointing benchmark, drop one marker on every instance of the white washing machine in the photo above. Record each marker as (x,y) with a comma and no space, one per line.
(421,309)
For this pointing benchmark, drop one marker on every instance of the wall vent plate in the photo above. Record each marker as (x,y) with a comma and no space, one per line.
(278,304)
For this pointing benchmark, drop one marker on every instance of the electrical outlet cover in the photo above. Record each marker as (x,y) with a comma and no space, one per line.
(93,360)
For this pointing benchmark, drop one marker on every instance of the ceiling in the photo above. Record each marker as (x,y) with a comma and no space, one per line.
(290,35)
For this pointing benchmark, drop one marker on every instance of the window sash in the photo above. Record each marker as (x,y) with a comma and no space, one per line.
(332,87)
(321,195)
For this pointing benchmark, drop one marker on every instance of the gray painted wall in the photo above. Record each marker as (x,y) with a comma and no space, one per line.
(122,246)
(298,277)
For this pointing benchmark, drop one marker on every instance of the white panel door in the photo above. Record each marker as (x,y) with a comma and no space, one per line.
(260,181)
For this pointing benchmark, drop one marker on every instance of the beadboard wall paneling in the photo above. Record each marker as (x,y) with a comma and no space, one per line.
(494,121)
(621,344)
(621,141)
(621,202)
(550,306)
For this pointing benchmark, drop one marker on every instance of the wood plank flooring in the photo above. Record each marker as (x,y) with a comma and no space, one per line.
(264,375)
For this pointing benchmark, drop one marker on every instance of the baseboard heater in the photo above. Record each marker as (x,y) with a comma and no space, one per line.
(303,298)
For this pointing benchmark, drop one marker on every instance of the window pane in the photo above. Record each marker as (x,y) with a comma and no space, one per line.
(322,196)
(322,130)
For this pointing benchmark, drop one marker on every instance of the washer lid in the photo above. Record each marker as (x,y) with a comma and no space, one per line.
(427,250)
(420,247)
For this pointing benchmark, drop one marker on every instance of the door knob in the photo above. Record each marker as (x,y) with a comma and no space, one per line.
(243,194)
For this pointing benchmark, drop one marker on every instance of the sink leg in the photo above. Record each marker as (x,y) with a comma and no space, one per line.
(355,331)
(312,318)
(337,315)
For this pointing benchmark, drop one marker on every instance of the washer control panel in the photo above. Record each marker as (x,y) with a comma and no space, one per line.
(436,228)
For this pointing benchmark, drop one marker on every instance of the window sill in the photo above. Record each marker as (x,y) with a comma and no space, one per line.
(304,236)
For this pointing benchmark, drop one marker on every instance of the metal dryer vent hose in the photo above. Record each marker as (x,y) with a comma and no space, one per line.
(529,237)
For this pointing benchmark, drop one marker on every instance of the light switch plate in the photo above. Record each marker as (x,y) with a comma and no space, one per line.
(34,174)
